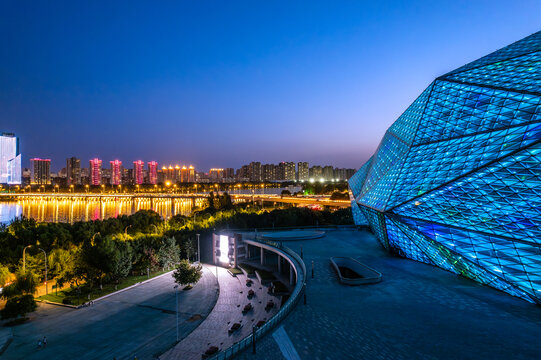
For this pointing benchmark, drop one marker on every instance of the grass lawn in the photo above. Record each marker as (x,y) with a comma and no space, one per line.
(70,296)
(248,268)
(234,271)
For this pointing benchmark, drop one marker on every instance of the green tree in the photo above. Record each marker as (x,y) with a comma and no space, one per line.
(121,261)
(187,274)
(5,275)
(169,252)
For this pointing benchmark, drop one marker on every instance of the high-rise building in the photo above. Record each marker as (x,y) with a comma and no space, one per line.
(116,172)
(10,159)
(243,173)
(73,171)
(191,174)
(328,173)
(184,174)
(138,166)
(95,171)
(254,171)
(229,173)
(316,172)
(268,172)
(456,180)
(152,172)
(40,171)
(287,171)
(303,171)
(216,174)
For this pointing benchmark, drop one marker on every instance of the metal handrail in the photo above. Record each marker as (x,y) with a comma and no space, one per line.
(300,287)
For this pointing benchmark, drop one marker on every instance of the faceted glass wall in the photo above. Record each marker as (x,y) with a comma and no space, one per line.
(456,180)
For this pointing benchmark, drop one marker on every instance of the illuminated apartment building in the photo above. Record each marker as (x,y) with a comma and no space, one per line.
(40,171)
(138,166)
(152,172)
(116,172)
(95,171)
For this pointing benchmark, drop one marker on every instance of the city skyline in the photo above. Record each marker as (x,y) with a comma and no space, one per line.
(185,86)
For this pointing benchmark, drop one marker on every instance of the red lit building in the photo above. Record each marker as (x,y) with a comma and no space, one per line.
(153,172)
(116,172)
(138,166)
(95,171)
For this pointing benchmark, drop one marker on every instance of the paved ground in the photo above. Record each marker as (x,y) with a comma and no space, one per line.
(140,321)
(228,310)
(417,312)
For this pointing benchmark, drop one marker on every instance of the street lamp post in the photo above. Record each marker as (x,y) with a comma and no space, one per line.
(46,286)
(126,230)
(198,249)
(176,308)
(45,258)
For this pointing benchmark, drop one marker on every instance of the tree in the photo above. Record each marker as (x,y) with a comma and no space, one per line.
(186,274)
(5,275)
(169,252)
(121,261)
(18,306)
(211,206)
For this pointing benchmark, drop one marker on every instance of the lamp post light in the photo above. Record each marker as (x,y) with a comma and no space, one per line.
(126,230)
(198,249)
(93,236)
(45,257)
(176,308)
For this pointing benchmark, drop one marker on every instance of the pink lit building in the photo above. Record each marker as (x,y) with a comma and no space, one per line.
(95,171)
(138,166)
(153,172)
(116,172)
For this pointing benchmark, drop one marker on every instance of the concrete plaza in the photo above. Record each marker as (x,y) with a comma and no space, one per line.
(138,322)
(418,311)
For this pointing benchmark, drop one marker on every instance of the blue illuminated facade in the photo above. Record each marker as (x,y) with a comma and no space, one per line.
(456,180)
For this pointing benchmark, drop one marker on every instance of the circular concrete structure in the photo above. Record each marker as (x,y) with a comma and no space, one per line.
(293,235)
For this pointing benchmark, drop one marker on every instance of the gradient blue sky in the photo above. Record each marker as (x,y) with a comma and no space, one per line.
(225,83)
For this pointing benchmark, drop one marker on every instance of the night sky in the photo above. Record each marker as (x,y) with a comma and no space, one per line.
(220,83)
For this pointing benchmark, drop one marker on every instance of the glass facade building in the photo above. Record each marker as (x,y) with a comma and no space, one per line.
(456,180)
(10,159)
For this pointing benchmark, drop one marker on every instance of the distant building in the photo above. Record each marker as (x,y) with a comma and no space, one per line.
(10,159)
(254,171)
(328,173)
(73,171)
(303,171)
(268,172)
(229,173)
(243,174)
(286,171)
(191,174)
(95,172)
(40,171)
(216,175)
(138,166)
(116,172)
(184,174)
(152,172)
(316,172)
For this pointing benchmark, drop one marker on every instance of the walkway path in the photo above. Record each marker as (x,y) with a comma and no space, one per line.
(418,311)
(139,321)
(228,310)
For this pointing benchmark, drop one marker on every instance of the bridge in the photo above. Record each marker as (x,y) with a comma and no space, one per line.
(323,201)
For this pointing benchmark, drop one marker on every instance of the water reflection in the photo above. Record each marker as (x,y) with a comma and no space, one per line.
(84,209)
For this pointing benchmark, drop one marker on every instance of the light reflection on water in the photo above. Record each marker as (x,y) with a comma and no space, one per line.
(72,210)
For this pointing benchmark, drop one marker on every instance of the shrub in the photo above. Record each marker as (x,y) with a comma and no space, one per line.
(19,306)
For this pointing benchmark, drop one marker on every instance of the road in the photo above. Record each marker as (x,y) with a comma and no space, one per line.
(138,322)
